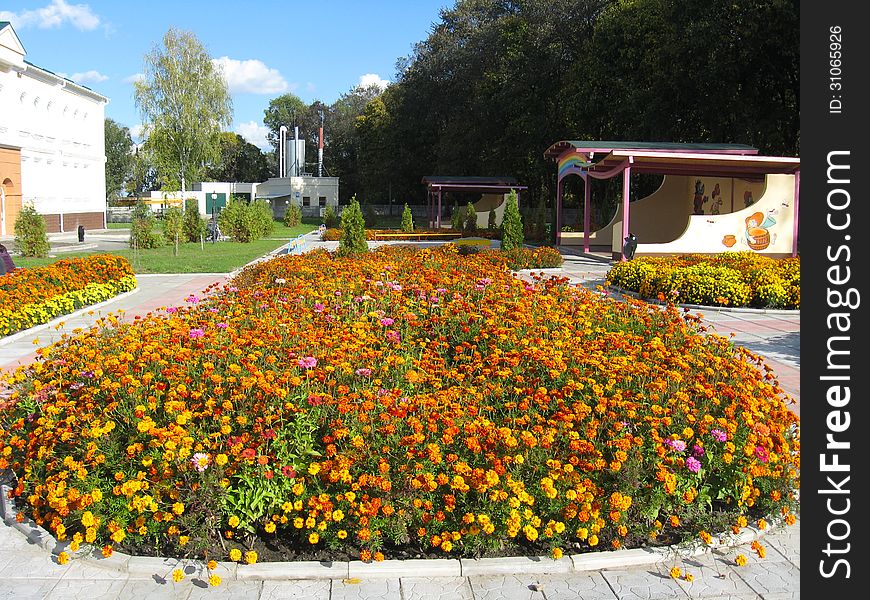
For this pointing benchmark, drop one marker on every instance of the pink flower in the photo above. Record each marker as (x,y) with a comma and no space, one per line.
(221,325)
(196,333)
(387,321)
(172,309)
(318,307)
(676,445)
(693,464)
(364,372)
(762,454)
(192,299)
(719,435)
(308,362)
(393,336)
(200,461)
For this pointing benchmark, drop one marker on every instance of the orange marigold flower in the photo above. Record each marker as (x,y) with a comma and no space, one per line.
(740,560)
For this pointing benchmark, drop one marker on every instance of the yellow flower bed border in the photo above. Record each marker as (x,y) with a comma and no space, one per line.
(31,315)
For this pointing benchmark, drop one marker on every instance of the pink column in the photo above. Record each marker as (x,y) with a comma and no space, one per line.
(587,211)
(797,194)
(559,212)
(626,189)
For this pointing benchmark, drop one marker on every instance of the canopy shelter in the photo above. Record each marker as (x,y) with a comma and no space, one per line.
(436,185)
(702,162)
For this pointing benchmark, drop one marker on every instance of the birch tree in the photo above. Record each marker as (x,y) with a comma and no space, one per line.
(184,102)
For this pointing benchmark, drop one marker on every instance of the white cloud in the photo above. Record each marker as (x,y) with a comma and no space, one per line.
(55,14)
(373,79)
(134,77)
(251,76)
(88,77)
(254,133)
(136,132)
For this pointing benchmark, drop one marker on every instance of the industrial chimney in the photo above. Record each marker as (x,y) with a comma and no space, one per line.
(320,148)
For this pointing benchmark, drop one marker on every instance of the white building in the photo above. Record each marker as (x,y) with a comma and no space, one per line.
(311,194)
(52,144)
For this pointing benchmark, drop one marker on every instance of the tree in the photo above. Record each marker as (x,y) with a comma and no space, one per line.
(353,230)
(142,228)
(511,224)
(143,174)
(239,160)
(407,219)
(286,110)
(173,227)
(184,101)
(119,158)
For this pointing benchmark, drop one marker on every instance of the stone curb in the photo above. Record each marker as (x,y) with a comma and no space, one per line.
(37,328)
(142,566)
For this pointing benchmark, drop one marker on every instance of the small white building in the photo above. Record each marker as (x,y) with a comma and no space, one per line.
(311,194)
(52,144)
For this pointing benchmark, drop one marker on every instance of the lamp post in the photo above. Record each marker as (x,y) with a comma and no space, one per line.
(213,217)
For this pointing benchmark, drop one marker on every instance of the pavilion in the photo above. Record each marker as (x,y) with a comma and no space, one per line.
(694,209)
(492,189)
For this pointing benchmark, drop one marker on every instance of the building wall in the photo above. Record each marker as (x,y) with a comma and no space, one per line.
(10,188)
(57,127)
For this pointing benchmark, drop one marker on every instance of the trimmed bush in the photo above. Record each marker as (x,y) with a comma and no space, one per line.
(173,227)
(512,224)
(353,231)
(407,219)
(469,219)
(490,223)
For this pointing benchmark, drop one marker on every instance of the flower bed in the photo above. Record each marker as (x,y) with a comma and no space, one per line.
(406,403)
(729,279)
(31,297)
(334,234)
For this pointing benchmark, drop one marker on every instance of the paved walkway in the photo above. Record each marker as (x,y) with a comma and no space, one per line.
(28,571)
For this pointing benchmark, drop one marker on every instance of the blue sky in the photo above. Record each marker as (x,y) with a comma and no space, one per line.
(316,49)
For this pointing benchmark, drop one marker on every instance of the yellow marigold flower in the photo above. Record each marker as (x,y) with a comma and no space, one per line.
(740,560)
(689,577)
(118,536)
(270,527)
(214,580)
(183,539)
(251,557)
(342,534)
(593,540)
(557,553)
(235,555)
(234,521)
(762,524)
(177,575)
(62,558)
(178,508)
(313,538)
(221,459)
(676,572)
(88,519)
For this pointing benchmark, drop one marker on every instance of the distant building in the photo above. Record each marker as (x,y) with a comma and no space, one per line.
(52,144)
(311,194)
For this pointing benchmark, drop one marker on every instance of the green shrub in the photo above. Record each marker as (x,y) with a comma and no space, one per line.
(407,219)
(490,223)
(30,236)
(353,233)
(511,224)
(330,219)
(143,227)
(194,226)
(293,216)
(262,218)
(239,221)
(457,217)
(469,219)
(173,226)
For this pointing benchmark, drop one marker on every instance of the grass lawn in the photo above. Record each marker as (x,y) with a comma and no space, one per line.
(118,225)
(220,257)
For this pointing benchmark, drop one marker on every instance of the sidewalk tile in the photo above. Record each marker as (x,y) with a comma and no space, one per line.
(588,586)
(86,590)
(296,590)
(507,587)
(646,584)
(436,588)
(372,589)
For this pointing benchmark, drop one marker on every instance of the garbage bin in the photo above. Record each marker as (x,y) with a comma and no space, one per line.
(81,233)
